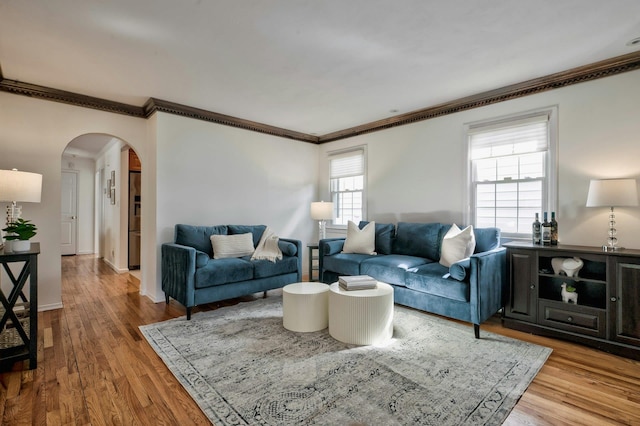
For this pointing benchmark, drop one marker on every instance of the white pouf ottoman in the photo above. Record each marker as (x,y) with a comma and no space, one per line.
(305,306)
(361,317)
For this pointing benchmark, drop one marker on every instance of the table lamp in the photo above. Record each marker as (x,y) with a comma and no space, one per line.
(322,212)
(612,193)
(16,186)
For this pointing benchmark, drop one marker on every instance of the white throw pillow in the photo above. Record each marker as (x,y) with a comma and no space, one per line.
(457,245)
(361,241)
(237,245)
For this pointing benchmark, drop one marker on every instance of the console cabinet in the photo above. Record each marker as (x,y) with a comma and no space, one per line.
(607,315)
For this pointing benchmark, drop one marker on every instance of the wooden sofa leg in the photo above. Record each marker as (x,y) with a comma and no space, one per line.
(166,298)
(476,330)
(188,313)
(264,296)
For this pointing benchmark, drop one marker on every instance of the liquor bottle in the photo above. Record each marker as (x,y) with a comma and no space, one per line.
(535,231)
(546,231)
(554,229)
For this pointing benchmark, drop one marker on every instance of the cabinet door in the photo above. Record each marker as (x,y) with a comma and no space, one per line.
(625,301)
(523,274)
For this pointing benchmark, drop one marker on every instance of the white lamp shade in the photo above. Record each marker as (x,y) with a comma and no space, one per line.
(612,193)
(20,186)
(321,210)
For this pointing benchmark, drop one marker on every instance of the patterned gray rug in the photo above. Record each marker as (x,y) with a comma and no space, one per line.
(242,367)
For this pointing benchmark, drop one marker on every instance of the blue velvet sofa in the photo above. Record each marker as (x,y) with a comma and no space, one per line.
(192,276)
(407,257)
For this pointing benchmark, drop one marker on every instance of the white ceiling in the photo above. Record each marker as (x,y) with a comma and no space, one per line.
(313,66)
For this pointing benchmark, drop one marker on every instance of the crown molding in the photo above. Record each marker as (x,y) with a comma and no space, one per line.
(42,92)
(153,105)
(576,75)
(605,68)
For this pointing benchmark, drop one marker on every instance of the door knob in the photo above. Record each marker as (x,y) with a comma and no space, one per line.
(73,217)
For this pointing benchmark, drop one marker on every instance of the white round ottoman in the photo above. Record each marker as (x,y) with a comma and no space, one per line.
(304,306)
(361,317)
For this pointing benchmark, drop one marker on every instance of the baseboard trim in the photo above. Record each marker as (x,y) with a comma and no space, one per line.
(50,307)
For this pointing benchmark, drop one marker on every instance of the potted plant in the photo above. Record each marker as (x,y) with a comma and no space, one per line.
(20,231)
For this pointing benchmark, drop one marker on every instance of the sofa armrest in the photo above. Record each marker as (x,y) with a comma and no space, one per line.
(298,254)
(328,247)
(178,272)
(488,283)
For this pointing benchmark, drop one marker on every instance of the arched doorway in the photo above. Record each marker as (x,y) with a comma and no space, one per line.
(108,219)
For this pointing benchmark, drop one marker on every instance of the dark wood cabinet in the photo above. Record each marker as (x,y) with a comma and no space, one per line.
(19,314)
(607,312)
(523,300)
(625,300)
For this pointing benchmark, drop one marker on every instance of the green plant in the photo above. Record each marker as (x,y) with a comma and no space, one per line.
(20,229)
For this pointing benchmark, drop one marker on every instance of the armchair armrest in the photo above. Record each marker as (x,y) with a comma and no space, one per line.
(328,247)
(488,283)
(178,272)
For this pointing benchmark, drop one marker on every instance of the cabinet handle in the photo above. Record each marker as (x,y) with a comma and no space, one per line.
(613,299)
(532,286)
(570,319)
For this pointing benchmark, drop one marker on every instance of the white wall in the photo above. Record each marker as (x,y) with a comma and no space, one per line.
(113,239)
(85,170)
(33,137)
(203,173)
(208,174)
(417,172)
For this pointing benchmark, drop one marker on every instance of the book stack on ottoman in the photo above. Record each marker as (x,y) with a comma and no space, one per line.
(357,282)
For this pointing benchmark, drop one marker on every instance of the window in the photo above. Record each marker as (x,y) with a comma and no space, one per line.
(347,177)
(512,171)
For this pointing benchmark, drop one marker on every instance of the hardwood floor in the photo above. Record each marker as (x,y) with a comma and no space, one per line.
(94,366)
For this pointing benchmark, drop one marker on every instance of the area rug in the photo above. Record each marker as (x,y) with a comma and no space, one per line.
(242,367)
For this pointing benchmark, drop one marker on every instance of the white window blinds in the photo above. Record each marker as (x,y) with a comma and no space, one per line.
(347,164)
(524,136)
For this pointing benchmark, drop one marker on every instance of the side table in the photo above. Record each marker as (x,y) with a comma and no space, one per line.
(313,264)
(305,306)
(19,322)
(361,317)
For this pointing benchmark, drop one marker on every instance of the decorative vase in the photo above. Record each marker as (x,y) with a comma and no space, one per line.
(21,245)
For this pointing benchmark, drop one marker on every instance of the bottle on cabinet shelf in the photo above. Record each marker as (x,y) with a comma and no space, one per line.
(536,231)
(554,229)
(546,231)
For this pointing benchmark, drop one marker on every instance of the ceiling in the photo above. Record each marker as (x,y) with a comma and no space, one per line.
(309,66)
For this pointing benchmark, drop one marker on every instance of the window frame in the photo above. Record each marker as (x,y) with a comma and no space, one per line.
(550,193)
(342,153)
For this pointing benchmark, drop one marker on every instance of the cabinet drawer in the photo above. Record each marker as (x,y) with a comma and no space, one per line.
(578,319)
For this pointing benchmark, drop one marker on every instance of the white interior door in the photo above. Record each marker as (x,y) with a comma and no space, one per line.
(69,213)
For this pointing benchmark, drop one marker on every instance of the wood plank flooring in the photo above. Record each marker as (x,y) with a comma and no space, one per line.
(94,366)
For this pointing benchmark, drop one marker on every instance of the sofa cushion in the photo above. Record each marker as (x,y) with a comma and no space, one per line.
(460,270)
(457,244)
(287,248)
(266,268)
(256,231)
(202,259)
(232,245)
(331,247)
(429,279)
(198,237)
(223,271)
(385,232)
(390,268)
(418,239)
(345,263)
(358,240)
